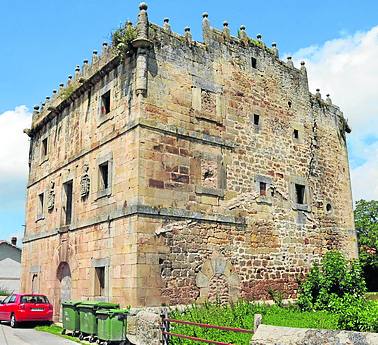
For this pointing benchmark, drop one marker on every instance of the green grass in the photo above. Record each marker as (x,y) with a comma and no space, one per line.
(56,330)
(293,317)
(372,296)
(241,315)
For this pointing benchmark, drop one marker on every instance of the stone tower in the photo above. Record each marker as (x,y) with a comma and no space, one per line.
(174,171)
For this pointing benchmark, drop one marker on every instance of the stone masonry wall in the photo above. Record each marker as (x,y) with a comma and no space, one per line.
(226,176)
(108,244)
(202,152)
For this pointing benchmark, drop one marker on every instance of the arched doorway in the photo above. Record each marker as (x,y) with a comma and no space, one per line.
(65,285)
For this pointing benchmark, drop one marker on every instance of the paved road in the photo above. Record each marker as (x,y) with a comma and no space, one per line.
(28,336)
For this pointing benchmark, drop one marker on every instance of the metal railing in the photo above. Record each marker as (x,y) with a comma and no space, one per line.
(167,334)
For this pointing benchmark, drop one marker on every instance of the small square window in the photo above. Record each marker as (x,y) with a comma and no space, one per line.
(99,281)
(104,176)
(263,188)
(296,134)
(254,62)
(44,148)
(300,194)
(105,103)
(256,119)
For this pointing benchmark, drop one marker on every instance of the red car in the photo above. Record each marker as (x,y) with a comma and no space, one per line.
(25,307)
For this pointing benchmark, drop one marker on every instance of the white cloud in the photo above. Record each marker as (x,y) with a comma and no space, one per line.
(14,144)
(347,68)
(14,150)
(365,177)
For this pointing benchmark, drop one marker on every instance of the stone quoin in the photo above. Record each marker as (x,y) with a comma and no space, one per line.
(182,171)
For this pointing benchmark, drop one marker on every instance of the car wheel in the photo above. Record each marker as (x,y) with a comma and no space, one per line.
(92,339)
(13,321)
(81,336)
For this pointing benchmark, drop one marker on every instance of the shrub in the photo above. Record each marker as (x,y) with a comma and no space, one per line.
(355,313)
(4,291)
(338,286)
(334,277)
(277,296)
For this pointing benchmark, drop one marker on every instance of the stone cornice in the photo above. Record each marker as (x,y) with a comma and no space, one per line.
(82,85)
(142,210)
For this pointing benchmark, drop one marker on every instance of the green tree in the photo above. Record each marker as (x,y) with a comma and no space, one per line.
(366,222)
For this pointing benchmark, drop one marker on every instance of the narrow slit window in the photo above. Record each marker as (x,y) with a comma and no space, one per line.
(100,281)
(296,134)
(254,62)
(105,103)
(300,194)
(256,119)
(263,188)
(44,147)
(40,205)
(68,188)
(89,101)
(104,176)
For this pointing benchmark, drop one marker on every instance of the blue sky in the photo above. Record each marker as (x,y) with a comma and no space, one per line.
(42,42)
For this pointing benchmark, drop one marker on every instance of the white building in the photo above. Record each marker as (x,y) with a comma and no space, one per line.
(10,265)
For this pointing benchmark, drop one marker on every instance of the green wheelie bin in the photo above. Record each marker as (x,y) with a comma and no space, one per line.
(88,321)
(112,326)
(70,318)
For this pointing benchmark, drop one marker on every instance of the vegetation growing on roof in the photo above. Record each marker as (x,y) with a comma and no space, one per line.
(122,38)
(67,92)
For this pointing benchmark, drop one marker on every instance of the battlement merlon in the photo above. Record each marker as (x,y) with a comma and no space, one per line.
(147,36)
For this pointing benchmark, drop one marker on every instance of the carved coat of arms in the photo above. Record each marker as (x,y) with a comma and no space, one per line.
(85,183)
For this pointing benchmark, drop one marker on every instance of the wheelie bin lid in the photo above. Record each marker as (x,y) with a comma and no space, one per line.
(113,312)
(97,305)
(70,303)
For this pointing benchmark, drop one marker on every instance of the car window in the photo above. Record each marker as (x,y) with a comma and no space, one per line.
(34,299)
(7,300)
(12,299)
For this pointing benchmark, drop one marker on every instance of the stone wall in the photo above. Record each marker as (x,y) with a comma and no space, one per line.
(144,327)
(225,175)
(274,335)
(203,152)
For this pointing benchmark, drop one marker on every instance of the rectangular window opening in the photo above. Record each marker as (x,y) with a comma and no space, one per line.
(100,281)
(40,205)
(35,283)
(89,101)
(105,103)
(68,187)
(296,134)
(104,176)
(256,119)
(44,147)
(254,62)
(263,189)
(300,194)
